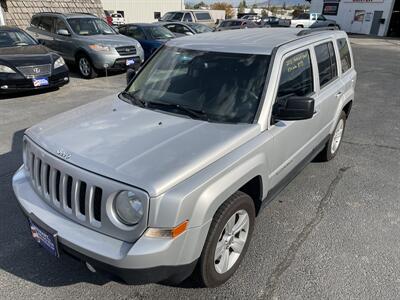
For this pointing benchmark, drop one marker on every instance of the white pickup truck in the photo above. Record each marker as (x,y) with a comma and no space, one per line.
(312,20)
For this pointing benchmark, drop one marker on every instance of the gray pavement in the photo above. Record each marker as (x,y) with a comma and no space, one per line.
(334,232)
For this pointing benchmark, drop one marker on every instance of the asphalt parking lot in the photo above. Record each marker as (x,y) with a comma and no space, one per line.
(334,232)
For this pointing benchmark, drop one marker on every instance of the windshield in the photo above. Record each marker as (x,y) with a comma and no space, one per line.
(90,26)
(168,16)
(15,39)
(218,87)
(159,32)
(200,28)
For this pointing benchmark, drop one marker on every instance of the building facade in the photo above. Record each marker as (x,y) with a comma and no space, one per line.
(19,12)
(142,10)
(374,17)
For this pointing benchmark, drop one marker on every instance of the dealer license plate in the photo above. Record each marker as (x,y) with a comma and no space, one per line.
(38,82)
(130,62)
(45,239)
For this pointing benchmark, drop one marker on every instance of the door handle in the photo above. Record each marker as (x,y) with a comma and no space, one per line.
(338,94)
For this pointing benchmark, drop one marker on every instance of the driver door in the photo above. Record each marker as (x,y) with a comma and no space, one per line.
(293,140)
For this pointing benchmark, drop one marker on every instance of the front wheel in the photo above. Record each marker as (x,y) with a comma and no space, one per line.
(228,239)
(85,67)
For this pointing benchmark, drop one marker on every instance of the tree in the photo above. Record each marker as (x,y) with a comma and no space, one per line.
(297,11)
(229,12)
(242,6)
(264,13)
(198,5)
(252,8)
(273,9)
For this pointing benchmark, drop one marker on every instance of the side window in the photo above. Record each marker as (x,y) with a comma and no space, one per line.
(122,30)
(35,21)
(46,24)
(202,16)
(136,33)
(187,18)
(177,17)
(60,24)
(321,18)
(296,76)
(344,52)
(181,29)
(326,60)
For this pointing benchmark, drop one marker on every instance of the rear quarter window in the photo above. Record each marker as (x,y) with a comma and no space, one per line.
(326,60)
(202,16)
(35,21)
(344,53)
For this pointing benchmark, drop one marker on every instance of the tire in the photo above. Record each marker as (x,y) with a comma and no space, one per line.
(333,145)
(212,270)
(85,67)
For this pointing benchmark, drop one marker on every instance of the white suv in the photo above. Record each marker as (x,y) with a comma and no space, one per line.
(171,173)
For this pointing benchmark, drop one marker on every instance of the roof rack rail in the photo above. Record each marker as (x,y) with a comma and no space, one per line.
(50,12)
(312,30)
(83,13)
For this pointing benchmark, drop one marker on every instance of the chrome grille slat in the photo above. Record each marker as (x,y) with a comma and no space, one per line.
(74,196)
(63,191)
(53,186)
(36,172)
(128,50)
(35,71)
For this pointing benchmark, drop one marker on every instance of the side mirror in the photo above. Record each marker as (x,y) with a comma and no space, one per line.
(188,33)
(116,29)
(293,108)
(130,73)
(63,32)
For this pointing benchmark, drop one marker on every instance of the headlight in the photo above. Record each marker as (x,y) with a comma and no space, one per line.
(59,63)
(5,69)
(128,208)
(97,47)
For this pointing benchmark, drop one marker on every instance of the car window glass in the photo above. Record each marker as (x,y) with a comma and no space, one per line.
(321,18)
(90,26)
(15,39)
(177,17)
(344,54)
(326,60)
(46,24)
(181,29)
(199,28)
(35,21)
(136,33)
(188,18)
(60,24)
(201,16)
(296,76)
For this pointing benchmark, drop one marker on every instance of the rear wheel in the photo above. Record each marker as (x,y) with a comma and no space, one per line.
(227,240)
(299,26)
(85,67)
(335,139)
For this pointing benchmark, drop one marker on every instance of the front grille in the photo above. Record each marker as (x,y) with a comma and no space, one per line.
(35,71)
(80,195)
(128,50)
(72,195)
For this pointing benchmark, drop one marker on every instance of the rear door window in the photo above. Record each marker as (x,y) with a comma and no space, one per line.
(35,21)
(344,52)
(296,76)
(202,16)
(326,59)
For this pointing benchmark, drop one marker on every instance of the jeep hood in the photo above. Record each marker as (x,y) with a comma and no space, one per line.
(147,149)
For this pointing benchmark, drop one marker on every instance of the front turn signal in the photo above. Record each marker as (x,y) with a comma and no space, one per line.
(167,232)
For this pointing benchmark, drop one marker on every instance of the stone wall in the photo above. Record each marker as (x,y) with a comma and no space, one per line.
(19,12)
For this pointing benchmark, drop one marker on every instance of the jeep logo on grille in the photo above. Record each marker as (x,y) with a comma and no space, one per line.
(36,70)
(63,154)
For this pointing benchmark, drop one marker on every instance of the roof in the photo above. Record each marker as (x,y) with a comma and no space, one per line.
(68,15)
(9,28)
(251,41)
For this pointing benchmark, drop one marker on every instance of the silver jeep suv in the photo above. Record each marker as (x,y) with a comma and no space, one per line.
(172,172)
(87,41)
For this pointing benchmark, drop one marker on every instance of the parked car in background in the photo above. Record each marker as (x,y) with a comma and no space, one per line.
(150,36)
(174,170)
(192,16)
(235,24)
(87,41)
(254,18)
(275,22)
(27,65)
(108,18)
(306,20)
(117,19)
(186,28)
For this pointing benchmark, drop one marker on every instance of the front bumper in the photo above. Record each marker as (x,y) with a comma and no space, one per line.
(11,83)
(113,61)
(146,260)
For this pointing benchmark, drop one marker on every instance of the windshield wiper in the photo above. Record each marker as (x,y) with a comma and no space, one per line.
(133,99)
(193,113)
